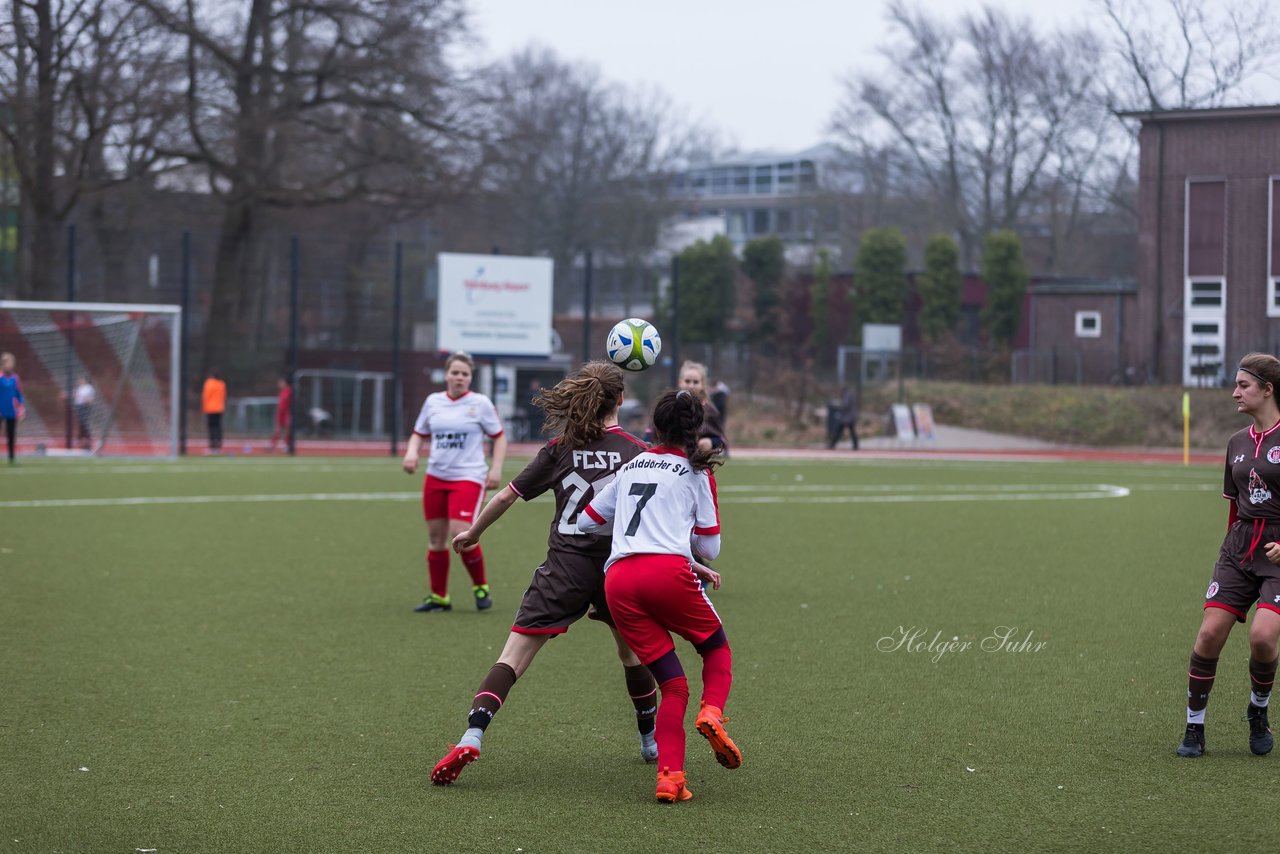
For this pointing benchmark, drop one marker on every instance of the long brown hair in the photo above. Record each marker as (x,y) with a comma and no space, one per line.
(677,418)
(577,406)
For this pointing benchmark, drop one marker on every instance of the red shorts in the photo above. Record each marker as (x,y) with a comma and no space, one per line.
(451,499)
(652,595)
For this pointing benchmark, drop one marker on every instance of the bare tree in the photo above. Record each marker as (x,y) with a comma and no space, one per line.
(982,113)
(574,162)
(1188,53)
(293,103)
(86,86)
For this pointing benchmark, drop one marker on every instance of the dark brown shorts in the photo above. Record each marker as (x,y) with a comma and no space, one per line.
(1238,580)
(562,590)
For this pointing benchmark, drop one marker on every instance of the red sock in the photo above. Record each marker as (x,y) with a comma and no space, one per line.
(438,571)
(473,560)
(717,676)
(669,731)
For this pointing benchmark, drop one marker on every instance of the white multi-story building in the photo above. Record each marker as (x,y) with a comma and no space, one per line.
(755,195)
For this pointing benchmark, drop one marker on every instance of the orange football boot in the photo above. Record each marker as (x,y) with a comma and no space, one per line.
(710,725)
(671,787)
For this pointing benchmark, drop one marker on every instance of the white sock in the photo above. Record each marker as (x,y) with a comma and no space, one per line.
(1260,700)
(471,738)
(649,746)
(1195,717)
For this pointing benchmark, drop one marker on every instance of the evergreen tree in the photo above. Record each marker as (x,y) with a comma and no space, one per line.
(764,262)
(881,275)
(1006,277)
(819,307)
(940,287)
(707,271)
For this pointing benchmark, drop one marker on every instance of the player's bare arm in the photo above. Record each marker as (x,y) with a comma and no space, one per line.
(494,478)
(411,453)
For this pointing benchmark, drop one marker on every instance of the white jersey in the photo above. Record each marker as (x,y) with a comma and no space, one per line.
(656,503)
(457,429)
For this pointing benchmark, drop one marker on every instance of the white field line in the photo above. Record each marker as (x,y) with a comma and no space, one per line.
(1102,490)
(812,494)
(230,467)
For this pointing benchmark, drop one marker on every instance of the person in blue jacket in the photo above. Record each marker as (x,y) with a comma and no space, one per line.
(11,402)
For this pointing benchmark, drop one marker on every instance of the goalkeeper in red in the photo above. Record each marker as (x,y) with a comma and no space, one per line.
(663,509)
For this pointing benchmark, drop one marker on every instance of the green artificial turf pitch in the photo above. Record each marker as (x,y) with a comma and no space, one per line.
(240,670)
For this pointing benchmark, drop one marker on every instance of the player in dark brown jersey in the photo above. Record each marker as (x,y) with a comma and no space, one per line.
(581,412)
(1248,567)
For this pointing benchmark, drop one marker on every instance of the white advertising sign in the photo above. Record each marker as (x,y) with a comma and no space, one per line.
(495,305)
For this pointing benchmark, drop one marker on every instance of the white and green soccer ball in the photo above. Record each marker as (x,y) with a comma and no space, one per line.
(633,344)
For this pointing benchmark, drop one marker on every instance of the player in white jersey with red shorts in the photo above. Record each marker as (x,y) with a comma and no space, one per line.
(456,421)
(663,509)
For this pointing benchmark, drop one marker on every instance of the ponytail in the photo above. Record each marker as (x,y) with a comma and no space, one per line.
(677,420)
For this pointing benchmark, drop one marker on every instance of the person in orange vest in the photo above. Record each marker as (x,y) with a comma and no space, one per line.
(214,402)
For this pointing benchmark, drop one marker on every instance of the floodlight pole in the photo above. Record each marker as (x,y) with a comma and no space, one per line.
(71,325)
(675,320)
(395,349)
(293,343)
(183,343)
(586,308)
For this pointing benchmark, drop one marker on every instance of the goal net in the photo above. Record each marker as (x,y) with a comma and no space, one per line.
(97,378)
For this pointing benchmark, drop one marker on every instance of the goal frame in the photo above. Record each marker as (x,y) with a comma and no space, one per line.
(175,345)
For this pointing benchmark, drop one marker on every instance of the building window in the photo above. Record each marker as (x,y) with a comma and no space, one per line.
(737,225)
(784,226)
(808,176)
(786,177)
(1273,246)
(741,180)
(1205,293)
(1088,324)
(764,180)
(760,221)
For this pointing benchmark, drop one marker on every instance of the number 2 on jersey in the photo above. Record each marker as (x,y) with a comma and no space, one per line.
(645,491)
(577,487)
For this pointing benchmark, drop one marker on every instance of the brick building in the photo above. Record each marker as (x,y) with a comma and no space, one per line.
(1209,242)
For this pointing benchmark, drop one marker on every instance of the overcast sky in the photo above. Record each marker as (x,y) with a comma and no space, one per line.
(765,76)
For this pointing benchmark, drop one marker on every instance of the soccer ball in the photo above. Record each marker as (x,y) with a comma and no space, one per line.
(633,344)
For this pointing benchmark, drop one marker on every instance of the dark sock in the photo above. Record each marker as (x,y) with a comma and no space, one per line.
(491,694)
(644,696)
(1262,675)
(1200,677)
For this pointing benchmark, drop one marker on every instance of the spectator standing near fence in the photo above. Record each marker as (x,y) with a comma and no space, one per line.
(284,412)
(213,401)
(12,405)
(720,398)
(83,399)
(848,418)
